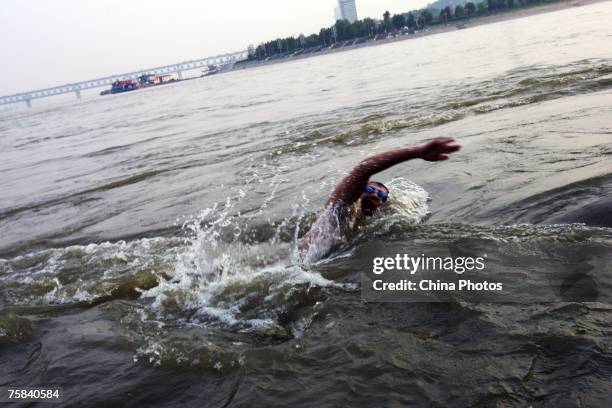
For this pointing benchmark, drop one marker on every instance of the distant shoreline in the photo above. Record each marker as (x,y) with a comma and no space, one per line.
(436,29)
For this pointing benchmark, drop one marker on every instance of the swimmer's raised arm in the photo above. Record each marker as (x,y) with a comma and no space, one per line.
(350,187)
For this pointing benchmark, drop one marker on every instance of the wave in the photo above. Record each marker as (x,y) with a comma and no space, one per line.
(453,103)
(14,329)
(136,178)
(230,268)
(584,201)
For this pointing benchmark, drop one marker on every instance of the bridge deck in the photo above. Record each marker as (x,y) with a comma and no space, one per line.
(106,81)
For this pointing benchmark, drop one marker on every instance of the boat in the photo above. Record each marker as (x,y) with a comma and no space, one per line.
(124,86)
(144,81)
(211,70)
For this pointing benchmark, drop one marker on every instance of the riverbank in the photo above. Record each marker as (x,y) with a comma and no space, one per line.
(436,29)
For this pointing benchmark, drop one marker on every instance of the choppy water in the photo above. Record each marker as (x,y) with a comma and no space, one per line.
(148,239)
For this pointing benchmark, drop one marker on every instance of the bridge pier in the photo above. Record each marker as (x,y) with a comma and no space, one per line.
(78,93)
(28,103)
(180,75)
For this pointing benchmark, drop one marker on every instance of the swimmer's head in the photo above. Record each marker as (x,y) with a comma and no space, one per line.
(373,196)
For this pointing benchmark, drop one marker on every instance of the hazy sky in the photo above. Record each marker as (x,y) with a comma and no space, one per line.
(52,42)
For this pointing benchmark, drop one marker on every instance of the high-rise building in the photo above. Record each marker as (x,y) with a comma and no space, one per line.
(337,13)
(346,10)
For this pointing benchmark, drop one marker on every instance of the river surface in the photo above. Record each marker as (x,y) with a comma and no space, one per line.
(147,251)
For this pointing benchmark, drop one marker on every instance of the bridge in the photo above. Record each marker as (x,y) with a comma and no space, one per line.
(27,97)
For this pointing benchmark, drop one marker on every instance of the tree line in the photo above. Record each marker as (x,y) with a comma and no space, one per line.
(368,28)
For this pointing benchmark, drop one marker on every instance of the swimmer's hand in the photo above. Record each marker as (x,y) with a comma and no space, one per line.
(437,149)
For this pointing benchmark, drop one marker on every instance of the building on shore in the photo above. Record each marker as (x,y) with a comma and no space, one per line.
(346,10)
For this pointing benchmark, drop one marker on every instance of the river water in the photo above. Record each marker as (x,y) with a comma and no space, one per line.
(147,255)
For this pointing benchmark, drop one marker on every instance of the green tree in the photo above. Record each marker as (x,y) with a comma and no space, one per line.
(427,18)
(387,20)
(325,36)
(481,9)
(357,29)
(260,52)
(470,9)
(410,21)
(352,31)
(445,15)
(459,12)
(369,26)
(312,40)
(398,21)
(342,29)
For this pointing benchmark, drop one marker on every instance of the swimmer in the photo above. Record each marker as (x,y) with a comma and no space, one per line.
(356,197)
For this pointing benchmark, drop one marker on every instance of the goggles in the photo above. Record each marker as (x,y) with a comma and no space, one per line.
(381,194)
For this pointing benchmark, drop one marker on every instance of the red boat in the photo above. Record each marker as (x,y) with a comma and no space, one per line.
(124,86)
